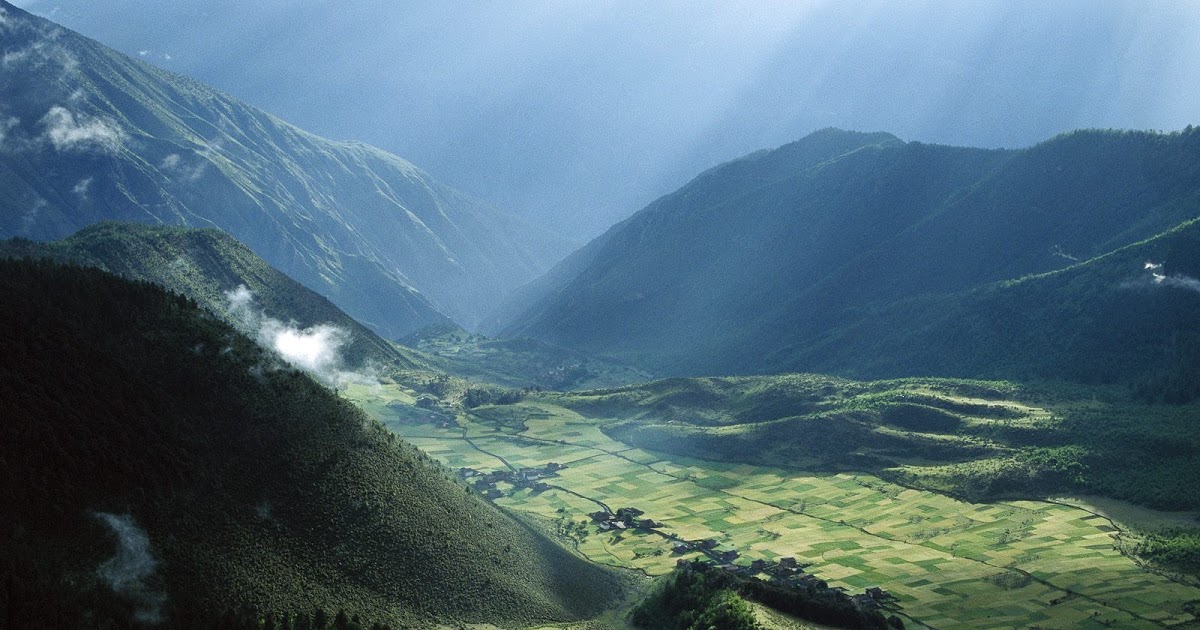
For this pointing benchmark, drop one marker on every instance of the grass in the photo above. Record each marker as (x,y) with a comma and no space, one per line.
(950,563)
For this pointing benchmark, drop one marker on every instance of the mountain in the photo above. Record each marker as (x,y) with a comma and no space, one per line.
(1130,316)
(760,264)
(205,265)
(155,465)
(88,134)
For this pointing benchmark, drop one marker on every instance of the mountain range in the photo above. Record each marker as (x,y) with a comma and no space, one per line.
(88,134)
(865,255)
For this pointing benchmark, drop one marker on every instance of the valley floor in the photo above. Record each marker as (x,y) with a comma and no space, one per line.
(948,563)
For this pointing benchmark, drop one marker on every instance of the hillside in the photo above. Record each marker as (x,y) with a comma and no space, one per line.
(227,481)
(977,440)
(1107,320)
(204,265)
(88,135)
(756,265)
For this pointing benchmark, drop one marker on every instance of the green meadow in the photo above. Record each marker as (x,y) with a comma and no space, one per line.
(949,563)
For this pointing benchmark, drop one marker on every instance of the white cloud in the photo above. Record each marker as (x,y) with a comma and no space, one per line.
(1178,281)
(316,349)
(81,188)
(70,132)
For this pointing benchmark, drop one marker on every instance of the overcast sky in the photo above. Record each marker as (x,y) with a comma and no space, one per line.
(576,114)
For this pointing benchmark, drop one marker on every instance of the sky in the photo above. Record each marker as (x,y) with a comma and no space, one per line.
(577,114)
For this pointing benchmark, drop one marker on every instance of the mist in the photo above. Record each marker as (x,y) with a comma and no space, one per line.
(316,349)
(575,115)
(131,567)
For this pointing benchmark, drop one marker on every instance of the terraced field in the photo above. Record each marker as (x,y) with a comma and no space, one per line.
(950,564)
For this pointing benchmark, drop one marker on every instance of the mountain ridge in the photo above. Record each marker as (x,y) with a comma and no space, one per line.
(92,135)
(746,270)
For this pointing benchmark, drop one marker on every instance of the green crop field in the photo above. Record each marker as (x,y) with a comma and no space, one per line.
(949,563)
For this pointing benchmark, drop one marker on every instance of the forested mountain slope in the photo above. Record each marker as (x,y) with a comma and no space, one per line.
(206,265)
(761,264)
(157,465)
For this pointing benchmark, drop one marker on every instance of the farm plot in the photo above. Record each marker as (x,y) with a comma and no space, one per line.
(950,564)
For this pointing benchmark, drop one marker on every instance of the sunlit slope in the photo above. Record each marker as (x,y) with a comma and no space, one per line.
(255,486)
(981,440)
(757,264)
(90,135)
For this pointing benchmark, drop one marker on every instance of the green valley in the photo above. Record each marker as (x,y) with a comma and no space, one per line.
(252,378)
(949,562)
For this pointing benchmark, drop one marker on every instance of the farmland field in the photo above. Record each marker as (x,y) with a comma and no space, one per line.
(948,563)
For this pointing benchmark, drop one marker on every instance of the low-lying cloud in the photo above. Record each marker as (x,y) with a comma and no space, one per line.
(69,131)
(1178,281)
(315,349)
(128,571)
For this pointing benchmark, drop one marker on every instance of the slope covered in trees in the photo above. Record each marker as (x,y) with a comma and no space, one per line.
(205,265)
(156,464)
(784,260)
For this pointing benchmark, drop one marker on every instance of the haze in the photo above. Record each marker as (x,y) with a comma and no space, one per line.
(575,115)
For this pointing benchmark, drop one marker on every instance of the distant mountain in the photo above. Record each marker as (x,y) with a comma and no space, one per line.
(785,259)
(205,265)
(87,134)
(155,465)
(1106,320)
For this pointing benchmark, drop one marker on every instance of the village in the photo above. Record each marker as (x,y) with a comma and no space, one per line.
(785,572)
(531,478)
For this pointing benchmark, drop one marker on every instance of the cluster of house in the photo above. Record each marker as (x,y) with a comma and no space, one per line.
(623,518)
(785,572)
(708,547)
(485,483)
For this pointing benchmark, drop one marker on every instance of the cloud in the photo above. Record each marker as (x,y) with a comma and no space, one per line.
(44,49)
(175,166)
(133,564)
(6,125)
(70,132)
(1178,282)
(81,188)
(316,349)
(1160,279)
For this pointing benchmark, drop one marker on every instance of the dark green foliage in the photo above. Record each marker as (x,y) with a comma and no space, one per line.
(920,418)
(477,396)
(687,595)
(698,596)
(1175,549)
(258,489)
(726,611)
